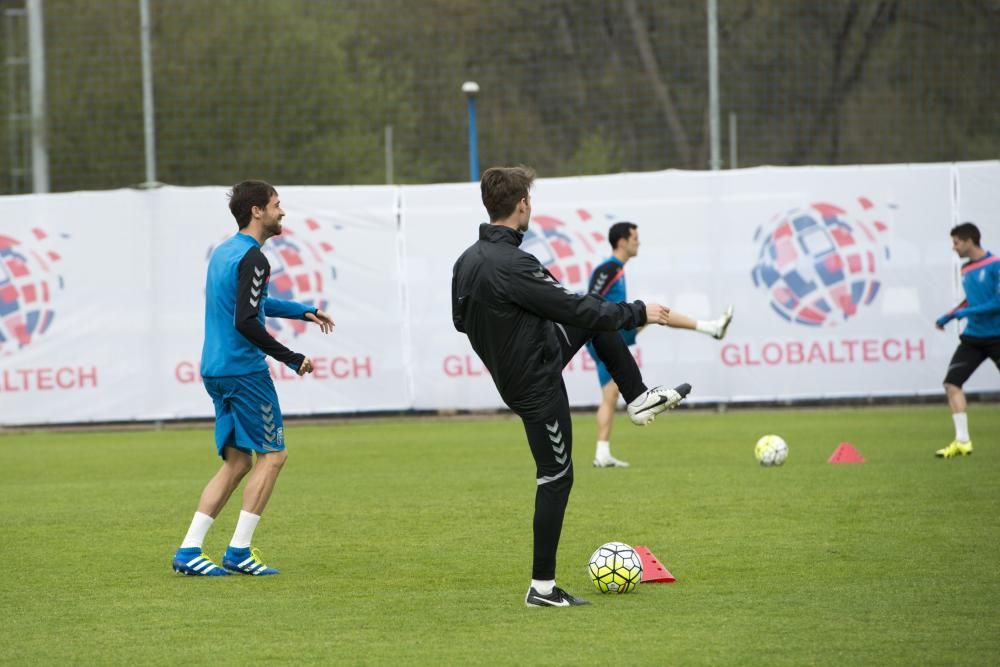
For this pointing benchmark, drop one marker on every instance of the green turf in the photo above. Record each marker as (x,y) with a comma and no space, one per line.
(408,542)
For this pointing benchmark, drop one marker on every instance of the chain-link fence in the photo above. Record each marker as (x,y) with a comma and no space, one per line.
(303,91)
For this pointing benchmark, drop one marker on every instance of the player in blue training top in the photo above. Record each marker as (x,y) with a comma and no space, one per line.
(608,281)
(981,337)
(236,376)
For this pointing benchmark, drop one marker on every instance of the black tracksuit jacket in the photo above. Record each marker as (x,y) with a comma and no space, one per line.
(508,304)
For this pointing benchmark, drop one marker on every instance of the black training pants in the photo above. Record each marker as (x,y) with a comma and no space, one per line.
(551,440)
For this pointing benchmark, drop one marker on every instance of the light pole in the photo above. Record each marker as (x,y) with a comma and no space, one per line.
(471,89)
(148,108)
(39,105)
(715,161)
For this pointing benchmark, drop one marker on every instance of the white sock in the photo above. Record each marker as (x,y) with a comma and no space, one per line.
(244,530)
(711,327)
(543,587)
(196,533)
(603,449)
(961,426)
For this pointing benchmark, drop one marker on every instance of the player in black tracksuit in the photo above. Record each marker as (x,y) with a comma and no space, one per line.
(525,327)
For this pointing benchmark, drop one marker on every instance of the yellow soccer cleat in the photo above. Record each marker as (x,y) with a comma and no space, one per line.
(956,448)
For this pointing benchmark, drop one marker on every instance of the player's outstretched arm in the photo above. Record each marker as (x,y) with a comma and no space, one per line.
(950,315)
(986,308)
(324,321)
(289,310)
(536,290)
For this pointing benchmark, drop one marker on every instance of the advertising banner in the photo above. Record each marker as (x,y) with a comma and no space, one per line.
(102,302)
(76,311)
(836,274)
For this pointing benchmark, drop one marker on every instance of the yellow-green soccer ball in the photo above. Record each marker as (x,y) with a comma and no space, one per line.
(615,568)
(770,450)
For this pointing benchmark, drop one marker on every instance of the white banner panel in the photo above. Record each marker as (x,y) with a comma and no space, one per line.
(102,302)
(831,271)
(75,295)
(439,223)
(978,201)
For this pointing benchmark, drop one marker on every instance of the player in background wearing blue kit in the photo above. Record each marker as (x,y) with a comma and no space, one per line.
(608,282)
(981,337)
(235,372)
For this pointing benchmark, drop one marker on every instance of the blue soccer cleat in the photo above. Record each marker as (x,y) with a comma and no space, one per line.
(192,562)
(246,561)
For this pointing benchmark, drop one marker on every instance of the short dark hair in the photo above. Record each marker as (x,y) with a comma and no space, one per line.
(619,231)
(503,187)
(247,194)
(966,231)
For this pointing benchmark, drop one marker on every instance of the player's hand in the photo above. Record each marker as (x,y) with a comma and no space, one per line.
(322,319)
(306,366)
(941,321)
(657,314)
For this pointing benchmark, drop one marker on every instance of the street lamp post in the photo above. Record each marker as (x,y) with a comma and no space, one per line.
(715,161)
(471,89)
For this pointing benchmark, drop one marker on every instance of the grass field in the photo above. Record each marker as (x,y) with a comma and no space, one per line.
(408,542)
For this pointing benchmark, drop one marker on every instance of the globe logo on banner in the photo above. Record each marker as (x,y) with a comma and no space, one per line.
(28,282)
(569,247)
(301,271)
(819,264)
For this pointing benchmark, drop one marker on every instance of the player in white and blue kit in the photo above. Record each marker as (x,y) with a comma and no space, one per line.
(235,372)
(981,338)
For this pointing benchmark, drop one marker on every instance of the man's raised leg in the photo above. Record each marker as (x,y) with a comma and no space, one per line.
(642,404)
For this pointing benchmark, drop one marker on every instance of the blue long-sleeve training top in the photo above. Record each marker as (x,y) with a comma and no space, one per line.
(981,308)
(236,303)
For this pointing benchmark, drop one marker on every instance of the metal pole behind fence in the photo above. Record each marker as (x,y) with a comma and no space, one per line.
(39,122)
(18,112)
(733,140)
(388,154)
(713,83)
(148,108)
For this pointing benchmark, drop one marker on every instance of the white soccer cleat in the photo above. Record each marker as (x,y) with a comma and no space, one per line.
(609,461)
(723,322)
(653,401)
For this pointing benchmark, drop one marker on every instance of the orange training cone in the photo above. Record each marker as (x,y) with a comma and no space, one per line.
(652,569)
(846,453)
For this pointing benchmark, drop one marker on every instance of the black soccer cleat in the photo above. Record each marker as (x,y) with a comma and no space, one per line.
(557,598)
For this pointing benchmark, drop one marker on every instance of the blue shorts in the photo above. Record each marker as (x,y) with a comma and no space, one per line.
(603,375)
(247,414)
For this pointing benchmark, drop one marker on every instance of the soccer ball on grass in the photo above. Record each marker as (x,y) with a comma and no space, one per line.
(771,450)
(615,568)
